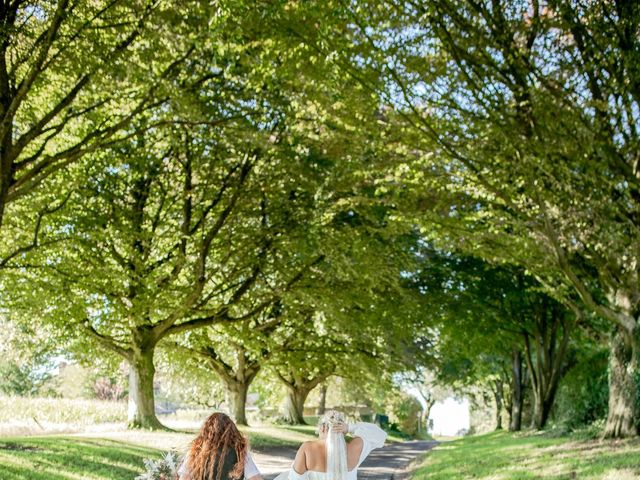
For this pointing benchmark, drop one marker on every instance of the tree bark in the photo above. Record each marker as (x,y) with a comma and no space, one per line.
(541,409)
(429,401)
(546,362)
(623,389)
(141,395)
(5,176)
(237,376)
(426,413)
(497,395)
(238,399)
(322,405)
(300,383)
(294,407)
(517,391)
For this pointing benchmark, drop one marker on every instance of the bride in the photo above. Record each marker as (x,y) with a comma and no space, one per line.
(331,457)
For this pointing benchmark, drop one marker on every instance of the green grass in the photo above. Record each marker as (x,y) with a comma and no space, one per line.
(393,437)
(281,435)
(113,455)
(504,456)
(116,454)
(64,458)
(61,410)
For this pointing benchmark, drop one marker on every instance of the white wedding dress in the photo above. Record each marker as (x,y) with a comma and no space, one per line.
(372,437)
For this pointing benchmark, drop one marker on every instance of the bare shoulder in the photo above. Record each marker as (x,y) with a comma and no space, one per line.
(354,449)
(355,444)
(308,447)
(309,444)
(300,462)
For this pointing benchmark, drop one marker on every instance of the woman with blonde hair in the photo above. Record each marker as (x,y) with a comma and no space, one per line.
(219,452)
(331,457)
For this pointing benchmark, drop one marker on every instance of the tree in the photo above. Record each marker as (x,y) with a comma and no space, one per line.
(236,376)
(300,379)
(73,78)
(515,109)
(519,381)
(349,341)
(425,384)
(236,353)
(28,357)
(129,282)
(502,312)
(552,331)
(143,260)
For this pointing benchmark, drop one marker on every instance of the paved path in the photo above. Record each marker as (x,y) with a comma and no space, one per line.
(386,463)
(273,460)
(392,460)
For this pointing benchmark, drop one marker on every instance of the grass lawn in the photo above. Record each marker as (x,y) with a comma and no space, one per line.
(504,456)
(113,455)
(282,435)
(63,458)
(118,454)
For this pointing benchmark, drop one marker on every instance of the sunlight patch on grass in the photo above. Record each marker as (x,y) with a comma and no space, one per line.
(504,456)
(144,438)
(625,474)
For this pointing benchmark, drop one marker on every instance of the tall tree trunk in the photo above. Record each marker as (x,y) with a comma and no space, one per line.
(544,391)
(541,408)
(238,399)
(623,389)
(294,407)
(517,391)
(4,185)
(508,406)
(299,384)
(427,411)
(547,361)
(141,395)
(322,405)
(429,401)
(497,395)
(237,377)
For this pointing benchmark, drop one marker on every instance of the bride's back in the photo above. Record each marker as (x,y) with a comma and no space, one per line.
(315,455)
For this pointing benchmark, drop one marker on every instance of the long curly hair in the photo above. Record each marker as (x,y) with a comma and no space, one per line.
(217,445)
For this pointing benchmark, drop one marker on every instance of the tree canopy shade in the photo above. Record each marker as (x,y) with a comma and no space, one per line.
(208,171)
(235,352)
(520,122)
(491,319)
(196,215)
(337,320)
(152,261)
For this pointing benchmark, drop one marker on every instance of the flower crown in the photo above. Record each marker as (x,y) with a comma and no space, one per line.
(331,417)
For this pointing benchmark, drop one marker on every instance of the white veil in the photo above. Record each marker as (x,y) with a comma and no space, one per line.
(336,446)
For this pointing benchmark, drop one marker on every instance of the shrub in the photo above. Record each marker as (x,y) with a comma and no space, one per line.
(583,394)
(405,411)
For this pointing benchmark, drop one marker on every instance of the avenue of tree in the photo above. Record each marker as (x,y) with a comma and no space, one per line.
(317,189)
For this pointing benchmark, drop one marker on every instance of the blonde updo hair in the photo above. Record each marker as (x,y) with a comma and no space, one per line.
(330,418)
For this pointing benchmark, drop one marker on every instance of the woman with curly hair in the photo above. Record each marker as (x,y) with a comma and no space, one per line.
(219,452)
